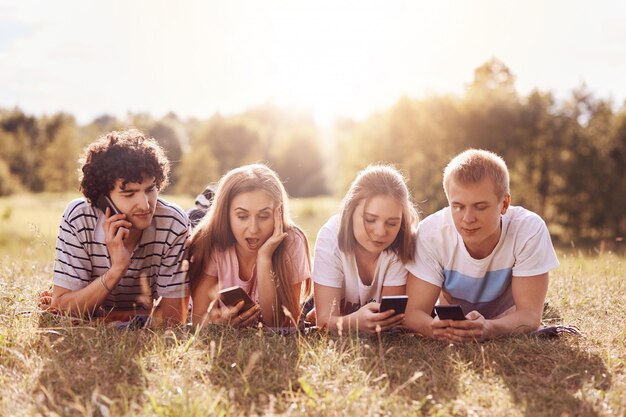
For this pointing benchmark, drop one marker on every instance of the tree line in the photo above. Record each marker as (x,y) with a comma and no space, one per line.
(566,158)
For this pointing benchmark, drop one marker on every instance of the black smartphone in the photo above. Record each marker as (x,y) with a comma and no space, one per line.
(233,295)
(449,312)
(104,201)
(394,302)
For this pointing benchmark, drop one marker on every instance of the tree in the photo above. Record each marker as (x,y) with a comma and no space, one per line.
(493,78)
(21,146)
(198,168)
(60,160)
(300,166)
(233,144)
(9,183)
(168,139)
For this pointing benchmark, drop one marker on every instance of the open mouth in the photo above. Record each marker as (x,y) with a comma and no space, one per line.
(253,243)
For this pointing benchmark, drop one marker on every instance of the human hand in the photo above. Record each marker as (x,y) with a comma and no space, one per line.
(473,329)
(116,229)
(231,315)
(371,321)
(311,316)
(267,249)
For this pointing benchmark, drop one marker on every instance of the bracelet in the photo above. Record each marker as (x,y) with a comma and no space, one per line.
(104,283)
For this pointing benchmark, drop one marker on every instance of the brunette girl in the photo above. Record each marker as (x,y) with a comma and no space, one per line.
(247,239)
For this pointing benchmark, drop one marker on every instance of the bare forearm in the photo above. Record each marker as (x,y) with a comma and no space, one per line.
(88,299)
(520,321)
(334,323)
(419,322)
(171,311)
(267,292)
(210,315)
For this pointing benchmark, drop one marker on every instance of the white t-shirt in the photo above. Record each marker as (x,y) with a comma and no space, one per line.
(524,250)
(334,268)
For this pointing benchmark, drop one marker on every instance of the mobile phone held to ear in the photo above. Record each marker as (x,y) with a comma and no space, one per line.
(231,296)
(104,201)
(449,312)
(396,303)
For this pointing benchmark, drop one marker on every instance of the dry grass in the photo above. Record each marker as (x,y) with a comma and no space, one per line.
(51,367)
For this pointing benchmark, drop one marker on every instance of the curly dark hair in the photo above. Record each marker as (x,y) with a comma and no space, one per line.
(126,154)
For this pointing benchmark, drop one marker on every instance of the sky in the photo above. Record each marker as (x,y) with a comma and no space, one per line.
(332,58)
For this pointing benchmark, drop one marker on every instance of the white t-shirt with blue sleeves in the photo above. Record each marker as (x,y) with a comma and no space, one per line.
(524,250)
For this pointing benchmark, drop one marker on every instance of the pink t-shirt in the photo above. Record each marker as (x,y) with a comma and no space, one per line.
(225,266)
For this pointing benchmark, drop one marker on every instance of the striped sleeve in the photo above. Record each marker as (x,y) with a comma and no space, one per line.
(72,265)
(172,280)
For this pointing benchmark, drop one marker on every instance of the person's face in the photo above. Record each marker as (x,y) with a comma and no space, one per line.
(251,219)
(476,211)
(137,200)
(376,223)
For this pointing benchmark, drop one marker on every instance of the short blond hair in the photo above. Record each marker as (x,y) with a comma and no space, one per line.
(472,165)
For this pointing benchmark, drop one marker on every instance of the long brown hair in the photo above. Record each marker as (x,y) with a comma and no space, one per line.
(376,180)
(214,232)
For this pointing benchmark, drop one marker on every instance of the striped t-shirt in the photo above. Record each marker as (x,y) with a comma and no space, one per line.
(82,256)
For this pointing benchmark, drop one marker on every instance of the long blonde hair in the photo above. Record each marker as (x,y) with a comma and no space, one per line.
(214,232)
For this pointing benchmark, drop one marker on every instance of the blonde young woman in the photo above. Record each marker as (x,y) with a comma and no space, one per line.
(247,239)
(360,253)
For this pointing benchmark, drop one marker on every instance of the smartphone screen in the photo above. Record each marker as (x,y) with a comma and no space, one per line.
(449,312)
(396,303)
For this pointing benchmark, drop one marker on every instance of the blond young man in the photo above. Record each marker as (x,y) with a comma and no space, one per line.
(480,252)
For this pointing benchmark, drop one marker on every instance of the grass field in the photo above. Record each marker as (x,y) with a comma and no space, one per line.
(49,367)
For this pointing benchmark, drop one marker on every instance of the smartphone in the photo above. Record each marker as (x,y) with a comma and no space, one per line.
(449,312)
(233,295)
(104,201)
(394,302)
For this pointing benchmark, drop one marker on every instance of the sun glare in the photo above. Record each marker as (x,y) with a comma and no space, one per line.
(349,58)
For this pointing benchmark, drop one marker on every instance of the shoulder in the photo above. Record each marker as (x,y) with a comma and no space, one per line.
(436,226)
(223,255)
(523,220)
(331,225)
(296,239)
(167,213)
(79,210)
(327,234)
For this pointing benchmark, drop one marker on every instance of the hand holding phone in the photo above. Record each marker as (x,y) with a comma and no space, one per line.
(104,202)
(231,296)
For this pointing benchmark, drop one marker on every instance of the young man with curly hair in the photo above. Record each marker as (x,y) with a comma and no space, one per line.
(115,265)
(481,253)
